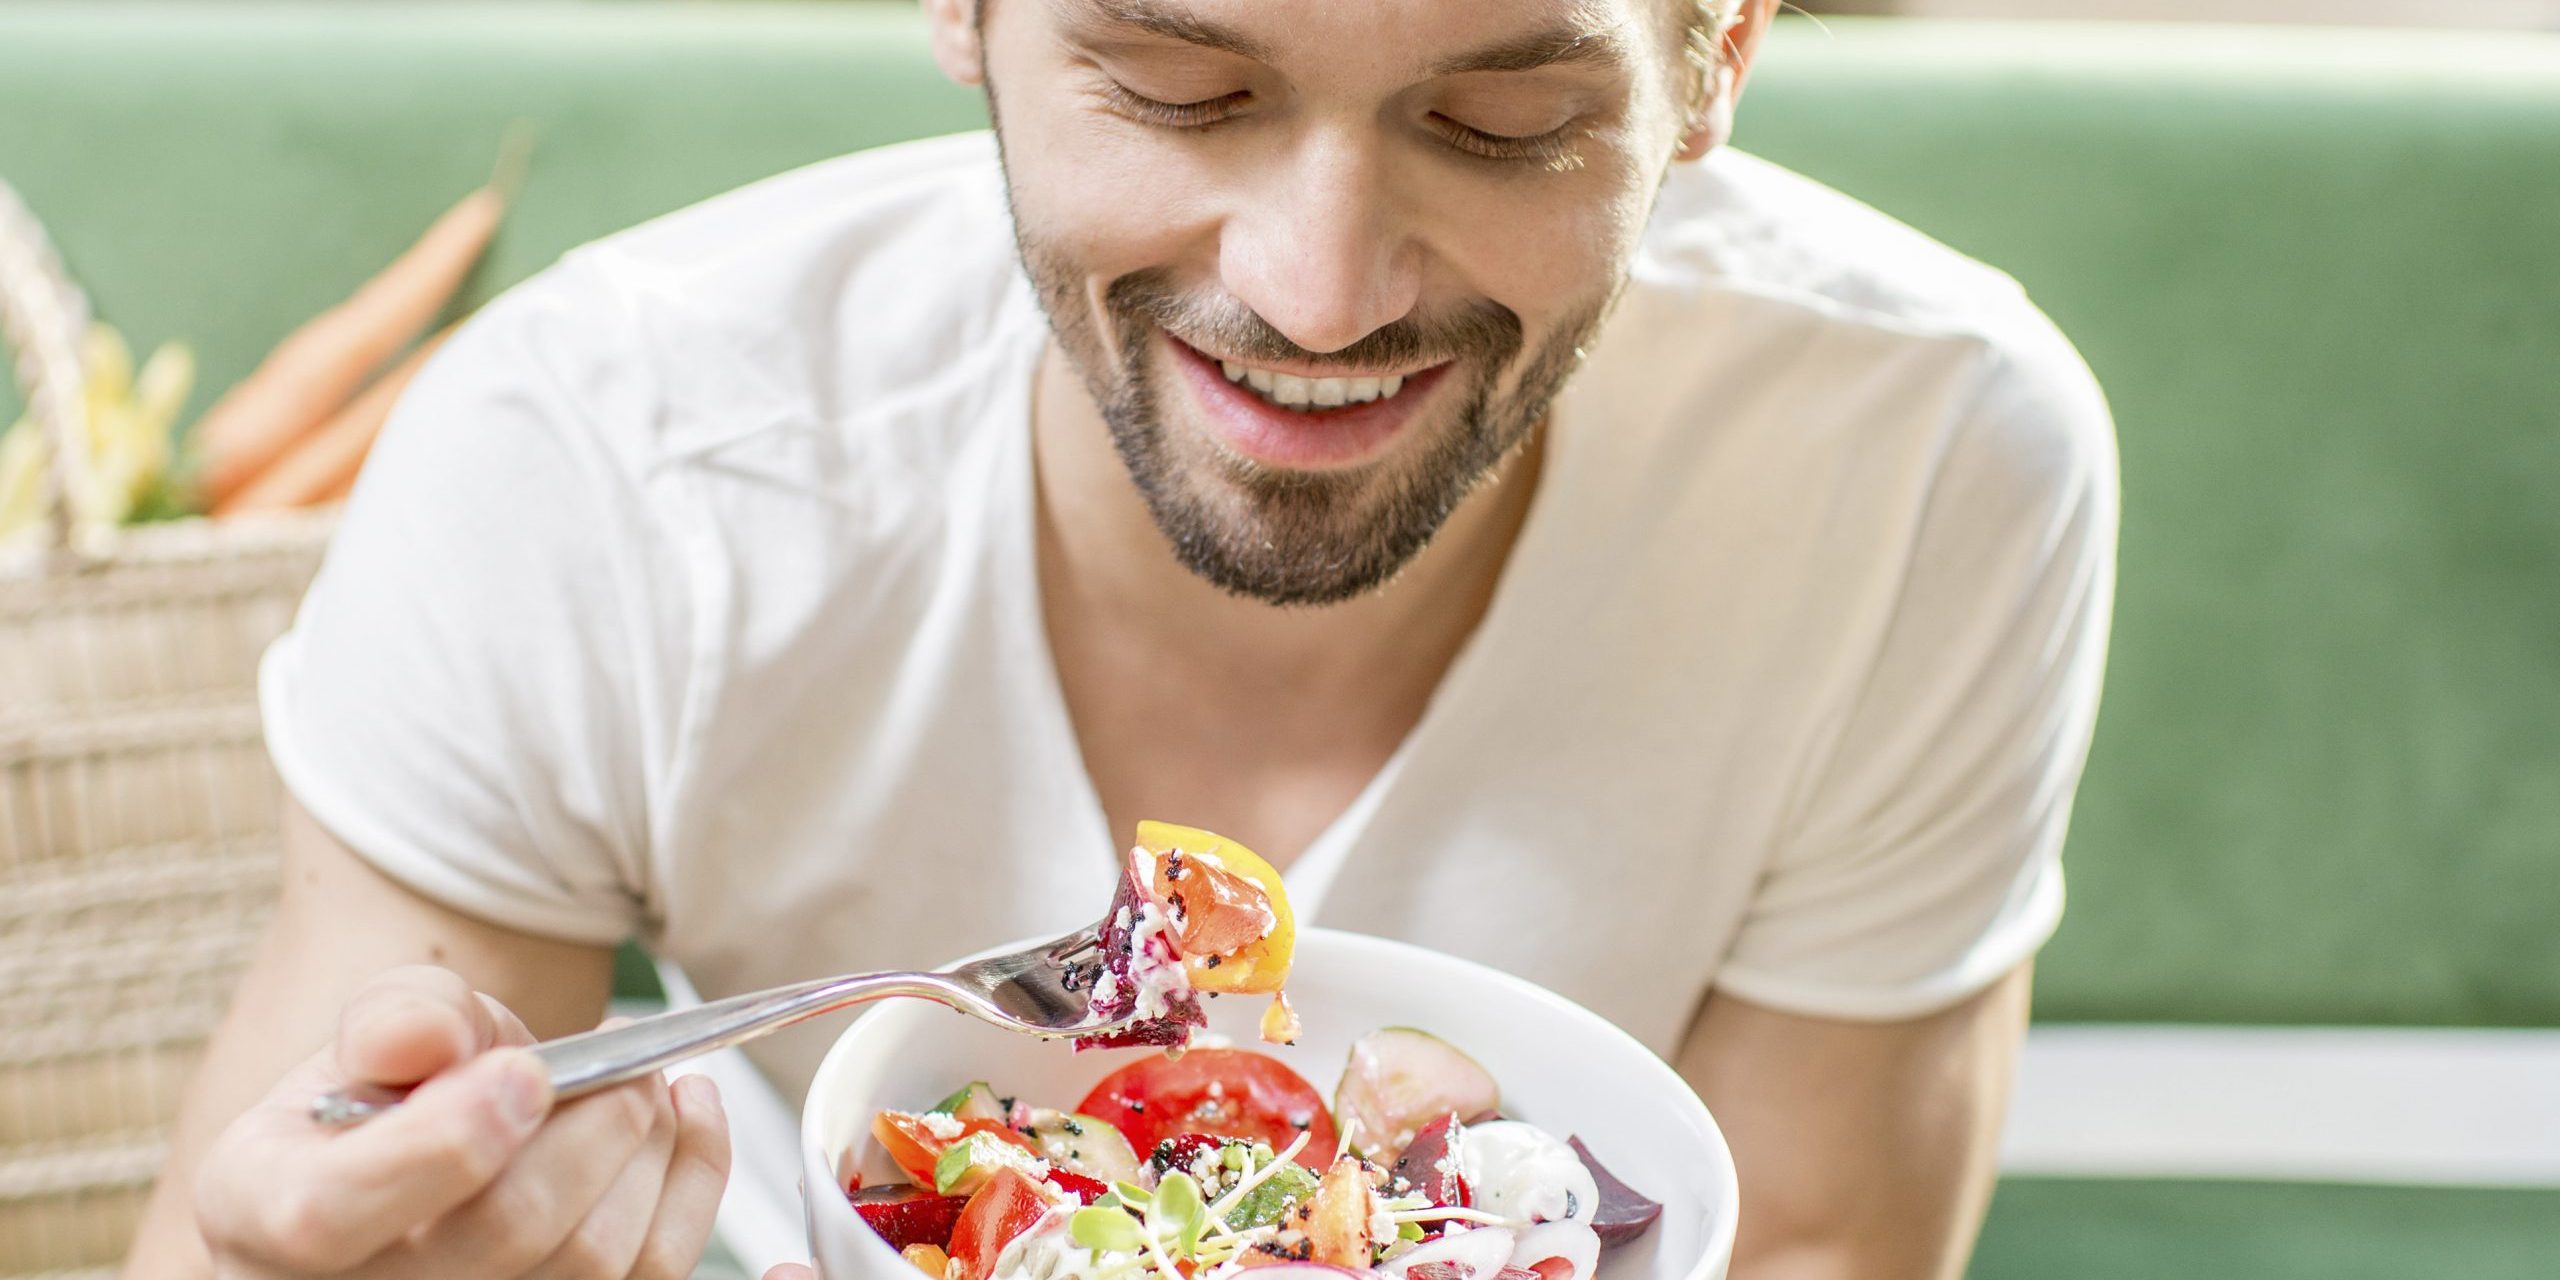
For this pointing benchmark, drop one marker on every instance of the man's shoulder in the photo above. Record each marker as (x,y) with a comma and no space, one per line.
(772,308)
(1760,272)
(870,202)
(1737,225)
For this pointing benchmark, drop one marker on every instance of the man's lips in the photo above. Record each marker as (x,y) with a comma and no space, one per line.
(1310,439)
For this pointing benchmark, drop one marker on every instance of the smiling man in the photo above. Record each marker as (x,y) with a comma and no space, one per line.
(1396,433)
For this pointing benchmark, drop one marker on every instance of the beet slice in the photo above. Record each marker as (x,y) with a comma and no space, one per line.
(909,1215)
(1623,1213)
(1430,1163)
(1178,1151)
(1119,943)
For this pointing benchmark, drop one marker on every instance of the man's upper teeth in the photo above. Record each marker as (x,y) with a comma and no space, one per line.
(1291,389)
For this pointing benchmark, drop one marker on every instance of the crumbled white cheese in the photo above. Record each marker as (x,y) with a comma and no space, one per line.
(1520,1171)
(1155,964)
(941,1126)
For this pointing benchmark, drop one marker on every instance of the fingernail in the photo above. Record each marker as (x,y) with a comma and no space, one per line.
(524,1091)
(701,1092)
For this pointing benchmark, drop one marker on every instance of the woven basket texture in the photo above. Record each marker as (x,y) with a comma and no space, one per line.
(138,846)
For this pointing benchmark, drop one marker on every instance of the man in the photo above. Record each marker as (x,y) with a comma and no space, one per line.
(1392,433)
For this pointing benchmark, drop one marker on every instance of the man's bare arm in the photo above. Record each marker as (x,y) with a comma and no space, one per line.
(340,923)
(1866,1150)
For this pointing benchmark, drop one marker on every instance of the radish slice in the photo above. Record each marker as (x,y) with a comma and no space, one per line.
(1520,1171)
(1478,1253)
(1570,1242)
(1399,1080)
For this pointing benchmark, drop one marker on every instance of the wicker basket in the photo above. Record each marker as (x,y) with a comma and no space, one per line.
(138,812)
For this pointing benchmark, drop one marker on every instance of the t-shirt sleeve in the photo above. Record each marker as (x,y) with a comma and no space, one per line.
(475,692)
(1924,862)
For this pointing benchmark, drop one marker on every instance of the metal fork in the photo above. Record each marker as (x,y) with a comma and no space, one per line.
(1042,991)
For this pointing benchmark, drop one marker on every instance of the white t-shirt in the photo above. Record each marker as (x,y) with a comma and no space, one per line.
(690,596)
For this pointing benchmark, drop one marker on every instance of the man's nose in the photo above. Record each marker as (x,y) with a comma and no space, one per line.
(1320,252)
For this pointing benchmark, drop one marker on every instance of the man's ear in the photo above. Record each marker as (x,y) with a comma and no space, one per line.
(1713,125)
(954,27)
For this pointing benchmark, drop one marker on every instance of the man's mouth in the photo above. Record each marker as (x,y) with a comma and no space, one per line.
(1292,391)
(1290,418)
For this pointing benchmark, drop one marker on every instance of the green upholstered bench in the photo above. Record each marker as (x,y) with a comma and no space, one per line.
(2316,272)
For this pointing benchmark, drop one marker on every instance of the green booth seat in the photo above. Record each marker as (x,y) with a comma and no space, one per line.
(2316,272)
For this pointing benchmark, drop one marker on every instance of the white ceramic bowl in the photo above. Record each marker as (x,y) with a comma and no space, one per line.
(1560,1066)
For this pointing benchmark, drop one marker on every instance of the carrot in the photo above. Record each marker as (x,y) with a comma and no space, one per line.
(320,365)
(321,467)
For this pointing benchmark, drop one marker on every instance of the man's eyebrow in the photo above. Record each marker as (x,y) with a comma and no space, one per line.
(1584,40)
(1158,19)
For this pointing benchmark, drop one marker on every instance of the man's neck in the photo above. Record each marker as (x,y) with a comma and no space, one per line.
(1103,556)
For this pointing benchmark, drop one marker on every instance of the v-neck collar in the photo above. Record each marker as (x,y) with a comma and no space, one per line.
(1313,874)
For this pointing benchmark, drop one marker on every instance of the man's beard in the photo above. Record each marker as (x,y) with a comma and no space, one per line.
(1300,537)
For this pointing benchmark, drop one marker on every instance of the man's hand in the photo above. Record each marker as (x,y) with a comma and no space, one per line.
(477,1173)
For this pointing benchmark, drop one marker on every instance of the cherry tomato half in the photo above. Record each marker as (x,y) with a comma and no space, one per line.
(1005,1207)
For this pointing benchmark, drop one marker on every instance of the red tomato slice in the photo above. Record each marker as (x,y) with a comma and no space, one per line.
(1004,1208)
(1232,1093)
(915,1147)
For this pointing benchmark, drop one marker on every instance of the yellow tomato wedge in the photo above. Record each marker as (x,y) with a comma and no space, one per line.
(1259,967)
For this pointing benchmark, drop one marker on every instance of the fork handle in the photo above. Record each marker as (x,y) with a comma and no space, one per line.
(599,1059)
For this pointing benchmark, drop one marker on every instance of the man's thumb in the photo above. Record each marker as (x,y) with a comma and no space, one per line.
(409,1025)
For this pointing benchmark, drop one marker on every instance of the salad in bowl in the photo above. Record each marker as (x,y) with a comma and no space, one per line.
(1245,1166)
(1191,1142)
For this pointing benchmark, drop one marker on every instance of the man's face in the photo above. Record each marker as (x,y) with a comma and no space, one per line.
(1323,263)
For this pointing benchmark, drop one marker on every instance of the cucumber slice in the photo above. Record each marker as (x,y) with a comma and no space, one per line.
(1400,1079)
(1083,1144)
(975,1101)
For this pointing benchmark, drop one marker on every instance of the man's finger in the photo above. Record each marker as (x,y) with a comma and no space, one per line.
(790,1271)
(549,1188)
(508,1030)
(410,1024)
(338,1198)
(608,1240)
(696,1174)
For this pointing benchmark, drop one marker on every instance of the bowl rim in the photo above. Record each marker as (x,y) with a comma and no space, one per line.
(1725,1210)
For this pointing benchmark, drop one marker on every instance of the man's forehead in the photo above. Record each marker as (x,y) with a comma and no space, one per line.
(1452,35)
